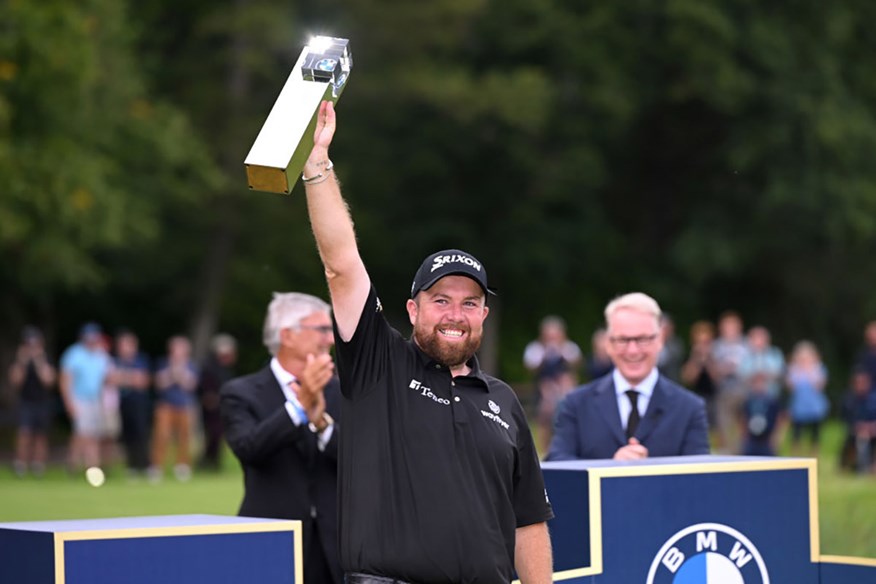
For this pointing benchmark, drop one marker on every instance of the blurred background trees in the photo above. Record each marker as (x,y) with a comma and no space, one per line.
(713,154)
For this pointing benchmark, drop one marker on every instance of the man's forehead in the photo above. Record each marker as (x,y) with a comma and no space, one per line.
(629,316)
(319,315)
(455,283)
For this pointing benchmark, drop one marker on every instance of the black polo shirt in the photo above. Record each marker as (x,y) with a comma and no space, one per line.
(436,472)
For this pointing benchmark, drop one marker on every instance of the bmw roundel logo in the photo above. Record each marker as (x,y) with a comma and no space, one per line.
(326,64)
(708,553)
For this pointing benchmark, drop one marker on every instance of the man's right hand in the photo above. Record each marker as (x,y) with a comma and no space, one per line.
(634,450)
(316,374)
(326,123)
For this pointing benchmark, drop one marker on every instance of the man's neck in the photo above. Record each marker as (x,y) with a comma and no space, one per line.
(463,369)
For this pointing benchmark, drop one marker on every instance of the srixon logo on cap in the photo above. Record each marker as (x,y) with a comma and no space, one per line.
(453,259)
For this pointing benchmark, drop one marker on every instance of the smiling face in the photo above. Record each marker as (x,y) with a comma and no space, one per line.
(448,320)
(634,343)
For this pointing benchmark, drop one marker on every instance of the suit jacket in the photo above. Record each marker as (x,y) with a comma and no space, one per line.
(588,423)
(286,476)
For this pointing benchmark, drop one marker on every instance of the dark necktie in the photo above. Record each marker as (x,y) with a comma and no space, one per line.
(633,420)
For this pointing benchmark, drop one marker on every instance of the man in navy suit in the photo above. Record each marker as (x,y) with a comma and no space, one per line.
(279,423)
(633,412)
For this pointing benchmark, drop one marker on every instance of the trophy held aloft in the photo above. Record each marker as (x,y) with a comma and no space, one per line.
(279,152)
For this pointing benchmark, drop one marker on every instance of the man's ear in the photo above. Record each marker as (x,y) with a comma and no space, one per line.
(285,336)
(413,310)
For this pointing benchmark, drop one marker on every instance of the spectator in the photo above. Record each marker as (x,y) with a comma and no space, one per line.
(84,368)
(697,373)
(762,418)
(131,374)
(672,355)
(175,381)
(859,413)
(32,377)
(764,360)
(599,363)
(218,370)
(281,425)
(554,359)
(634,412)
(866,359)
(806,380)
(728,352)
(111,413)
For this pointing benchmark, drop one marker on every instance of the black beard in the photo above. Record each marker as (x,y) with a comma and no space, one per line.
(449,355)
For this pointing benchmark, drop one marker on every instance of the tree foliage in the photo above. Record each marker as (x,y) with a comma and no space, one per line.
(88,157)
(713,154)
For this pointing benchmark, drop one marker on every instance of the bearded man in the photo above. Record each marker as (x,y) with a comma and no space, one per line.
(439,478)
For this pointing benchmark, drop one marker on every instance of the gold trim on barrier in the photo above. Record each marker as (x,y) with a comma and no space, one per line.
(60,575)
(852,561)
(298,539)
(61,537)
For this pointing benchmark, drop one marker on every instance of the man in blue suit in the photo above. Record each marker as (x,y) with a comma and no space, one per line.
(633,412)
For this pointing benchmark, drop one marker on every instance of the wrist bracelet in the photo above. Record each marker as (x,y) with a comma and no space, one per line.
(311,180)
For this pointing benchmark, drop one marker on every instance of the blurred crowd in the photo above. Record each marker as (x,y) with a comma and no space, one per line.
(119,403)
(755,393)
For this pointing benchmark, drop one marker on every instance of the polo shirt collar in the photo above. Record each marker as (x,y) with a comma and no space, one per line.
(646,386)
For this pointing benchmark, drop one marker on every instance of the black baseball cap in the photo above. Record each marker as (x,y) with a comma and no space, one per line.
(447,263)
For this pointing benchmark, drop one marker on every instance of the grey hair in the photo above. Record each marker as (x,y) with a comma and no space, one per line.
(287,310)
(636,301)
(223,343)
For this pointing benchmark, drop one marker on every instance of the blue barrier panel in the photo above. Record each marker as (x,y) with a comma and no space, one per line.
(175,549)
(846,570)
(690,520)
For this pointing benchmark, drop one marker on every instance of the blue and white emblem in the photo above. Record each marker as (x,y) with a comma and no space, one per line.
(326,64)
(708,553)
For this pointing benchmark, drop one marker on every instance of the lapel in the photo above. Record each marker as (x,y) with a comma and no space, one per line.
(606,404)
(657,407)
(271,398)
(270,394)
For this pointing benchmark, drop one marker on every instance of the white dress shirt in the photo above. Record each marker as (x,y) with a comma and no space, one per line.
(645,389)
(293,406)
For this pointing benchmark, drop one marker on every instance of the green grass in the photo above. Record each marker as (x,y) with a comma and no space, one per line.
(847,503)
(59,496)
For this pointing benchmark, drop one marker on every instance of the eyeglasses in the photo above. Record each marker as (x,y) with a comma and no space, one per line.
(322,328)
(640,341)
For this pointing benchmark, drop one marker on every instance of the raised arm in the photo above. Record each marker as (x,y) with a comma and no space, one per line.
(332,226)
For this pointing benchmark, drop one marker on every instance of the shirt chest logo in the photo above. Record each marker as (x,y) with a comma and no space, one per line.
(493,414)
(426,392)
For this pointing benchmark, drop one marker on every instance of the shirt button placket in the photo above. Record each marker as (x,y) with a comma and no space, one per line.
(458,415)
